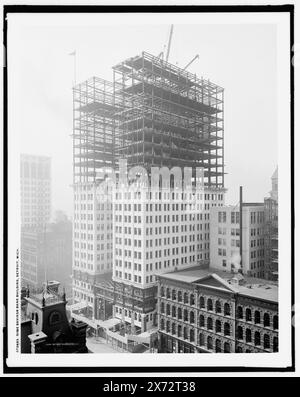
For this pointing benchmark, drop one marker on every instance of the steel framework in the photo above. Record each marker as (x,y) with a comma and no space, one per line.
(153,114)
(168,117)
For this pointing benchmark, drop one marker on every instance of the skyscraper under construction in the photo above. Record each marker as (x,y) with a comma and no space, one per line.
(153,114)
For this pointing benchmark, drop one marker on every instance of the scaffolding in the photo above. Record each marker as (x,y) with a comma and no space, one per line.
(93,128)
(152,114)
(168,117)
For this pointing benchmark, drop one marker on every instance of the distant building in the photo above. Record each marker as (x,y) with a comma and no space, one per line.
(271,230)
(45,327)
(209,311)
(46,253)
(35,190)
(225,239)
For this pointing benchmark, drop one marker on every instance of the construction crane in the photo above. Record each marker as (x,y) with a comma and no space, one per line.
(169,43)
(195,57)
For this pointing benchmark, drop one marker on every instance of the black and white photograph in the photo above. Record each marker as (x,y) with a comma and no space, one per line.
(149,188)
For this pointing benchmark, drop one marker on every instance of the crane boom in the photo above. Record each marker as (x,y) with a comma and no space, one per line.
(169,43)
(195,57)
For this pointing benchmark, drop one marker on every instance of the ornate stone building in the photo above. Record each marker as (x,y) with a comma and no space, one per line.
(207,311)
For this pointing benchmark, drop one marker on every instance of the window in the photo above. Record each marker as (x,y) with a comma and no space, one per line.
(202,302)
(201,321)
(218,326)
(248,315)
(185,298)
(192,299)
(240,333)
(275,344)
(257,317)
(185,315)
(209,343)
(218,346)
(266,341)
(226,347)
(179,315)
(240,312)
(226,309)
(179,296)
(257,338)
(226,329)
(266,320)
(218,307)
(162,324)
(209,323)
(201,339)
(275,322)
(179,331)
(248,335)
(192,335)
(209,304)
(192,317)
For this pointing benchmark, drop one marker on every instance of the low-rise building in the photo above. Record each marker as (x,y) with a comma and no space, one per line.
(208,311)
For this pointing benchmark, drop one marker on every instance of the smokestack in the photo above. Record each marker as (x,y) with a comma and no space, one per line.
(241,228)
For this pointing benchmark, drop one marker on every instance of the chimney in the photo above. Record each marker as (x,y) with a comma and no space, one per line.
(241,228)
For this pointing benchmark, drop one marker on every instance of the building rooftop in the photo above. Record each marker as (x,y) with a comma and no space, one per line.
(243,285)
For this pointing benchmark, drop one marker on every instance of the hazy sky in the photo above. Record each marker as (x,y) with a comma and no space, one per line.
(239,57)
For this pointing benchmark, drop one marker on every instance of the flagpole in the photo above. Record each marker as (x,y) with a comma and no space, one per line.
(73,54)
(75,68)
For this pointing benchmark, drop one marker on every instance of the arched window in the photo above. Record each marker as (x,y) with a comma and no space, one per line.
(201,339)
(173,329)
(168,309)
(218,307)
(209,343)
(192,317)
(184,333)
(240,333)
(266,341)
(218,326)
(174,294)
(168,326)
(192,335)
(226,309)
(162,291)
(209,323)
(275,322)
(173,311)
(209,304)
(179,315)
(179,331)
(248,315)
(226,347)
(168,293)
(226,329)
(248,335)
(162,307)
(275,344)
(218,346)
(185,315)
(239,349)
(257,317)
(240,312)
(201,321)
(266,320)
(179,296)
(257,338)
(185,297)
(162,324)
(192,299)
(202,302)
